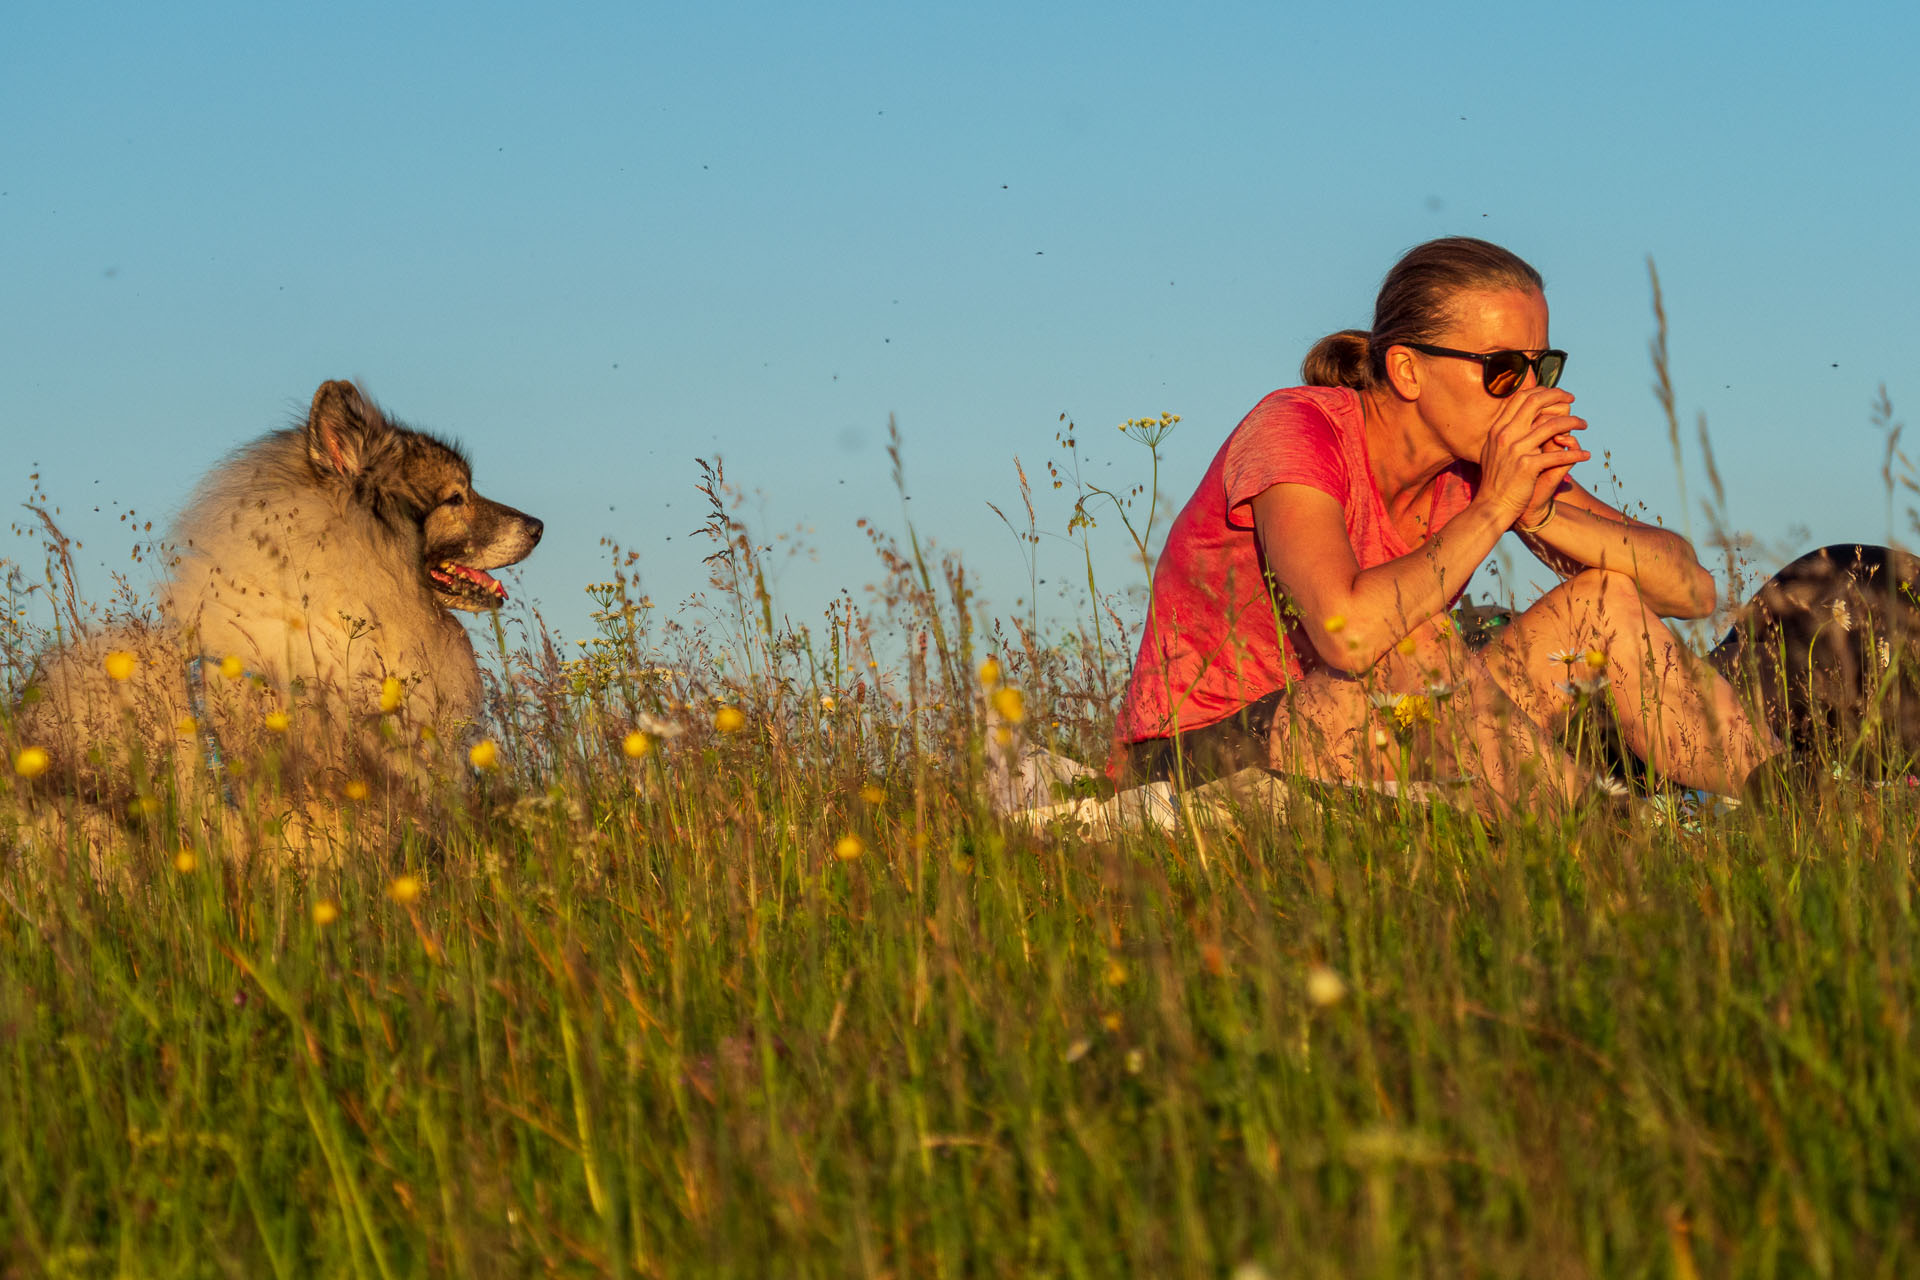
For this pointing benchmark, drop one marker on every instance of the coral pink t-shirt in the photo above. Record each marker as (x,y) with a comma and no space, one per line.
(1216,637)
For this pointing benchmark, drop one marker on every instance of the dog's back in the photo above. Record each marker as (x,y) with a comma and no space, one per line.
(1828,650)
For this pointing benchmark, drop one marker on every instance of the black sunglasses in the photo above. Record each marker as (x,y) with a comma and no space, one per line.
(1503,371)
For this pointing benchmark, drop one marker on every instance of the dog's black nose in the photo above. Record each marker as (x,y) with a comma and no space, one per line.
(534,528)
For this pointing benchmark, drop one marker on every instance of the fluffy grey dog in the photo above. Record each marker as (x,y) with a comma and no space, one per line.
(308,623)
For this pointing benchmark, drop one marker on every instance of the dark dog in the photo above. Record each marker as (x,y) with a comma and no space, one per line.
(1828,651)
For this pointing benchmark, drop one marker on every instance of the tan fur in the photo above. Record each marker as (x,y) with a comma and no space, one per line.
(304,561)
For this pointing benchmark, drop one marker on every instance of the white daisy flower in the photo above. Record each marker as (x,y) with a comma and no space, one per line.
(656,726)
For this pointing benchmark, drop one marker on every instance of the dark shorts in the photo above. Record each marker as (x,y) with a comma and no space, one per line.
(1241,741)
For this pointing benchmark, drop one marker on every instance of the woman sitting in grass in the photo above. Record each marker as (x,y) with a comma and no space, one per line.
(1300,609)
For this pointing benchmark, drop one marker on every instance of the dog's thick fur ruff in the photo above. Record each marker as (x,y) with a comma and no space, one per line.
(319,563)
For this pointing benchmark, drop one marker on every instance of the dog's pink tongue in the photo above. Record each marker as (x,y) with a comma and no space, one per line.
(479,577)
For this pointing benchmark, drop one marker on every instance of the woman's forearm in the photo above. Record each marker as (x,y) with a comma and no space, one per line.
(1385,603)
(1661,563)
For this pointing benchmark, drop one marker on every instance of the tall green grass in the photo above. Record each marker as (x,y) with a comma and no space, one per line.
(662,1029)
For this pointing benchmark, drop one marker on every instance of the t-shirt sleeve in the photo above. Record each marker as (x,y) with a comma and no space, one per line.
(1283,441)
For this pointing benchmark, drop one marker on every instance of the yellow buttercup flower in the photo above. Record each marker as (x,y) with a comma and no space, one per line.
(354,789)
(872,793)
(636,744)
(232,668)
(1413,709)
(120,664)
(31,762)
(1116,974)
(187,726)
(990,673)
(277,722)
(325,912)
(405,890)
(1011,705)
(185,861)
(849,847)
(729,720)
(485,754)
(391,694)
(1407,647)
(1595,659)
(1335,624)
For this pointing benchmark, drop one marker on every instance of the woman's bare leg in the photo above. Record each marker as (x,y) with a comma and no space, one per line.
(1493,721)
(1463,723)
(1675,712)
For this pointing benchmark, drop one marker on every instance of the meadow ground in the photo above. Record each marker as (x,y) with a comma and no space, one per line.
(721,967)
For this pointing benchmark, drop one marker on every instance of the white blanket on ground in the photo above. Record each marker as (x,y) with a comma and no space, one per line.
(1024,783)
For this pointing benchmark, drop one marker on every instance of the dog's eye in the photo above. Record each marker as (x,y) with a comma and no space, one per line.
(454,499)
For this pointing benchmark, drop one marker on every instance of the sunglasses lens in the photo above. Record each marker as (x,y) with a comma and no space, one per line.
(1552,365)
(1505,371)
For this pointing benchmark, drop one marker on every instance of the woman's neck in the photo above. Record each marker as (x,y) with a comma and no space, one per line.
(1403,452)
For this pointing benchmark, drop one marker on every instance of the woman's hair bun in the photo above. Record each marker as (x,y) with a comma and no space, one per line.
(1343,359)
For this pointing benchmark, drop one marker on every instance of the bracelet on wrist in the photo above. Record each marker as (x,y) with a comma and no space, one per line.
(1538,525)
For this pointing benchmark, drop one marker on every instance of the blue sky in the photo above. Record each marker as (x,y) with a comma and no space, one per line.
(599,241)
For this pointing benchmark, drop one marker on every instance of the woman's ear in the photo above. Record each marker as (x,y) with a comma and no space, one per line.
(1403,372)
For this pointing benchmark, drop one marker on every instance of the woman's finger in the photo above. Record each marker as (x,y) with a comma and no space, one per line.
(1548,426)
(1527,406)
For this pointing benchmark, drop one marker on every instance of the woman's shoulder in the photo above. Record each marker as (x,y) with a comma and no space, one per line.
(1317,413)
(1297,435)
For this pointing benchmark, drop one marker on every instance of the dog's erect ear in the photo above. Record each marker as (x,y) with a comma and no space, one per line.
(343,430)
